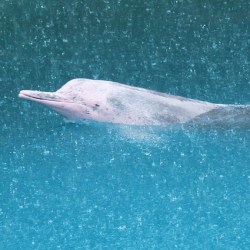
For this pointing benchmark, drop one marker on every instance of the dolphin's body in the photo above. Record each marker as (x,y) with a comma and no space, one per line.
(106,101)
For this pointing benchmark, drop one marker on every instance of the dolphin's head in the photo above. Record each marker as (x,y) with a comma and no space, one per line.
(71,109)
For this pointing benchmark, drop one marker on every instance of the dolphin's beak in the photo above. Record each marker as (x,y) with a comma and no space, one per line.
(61,105)
(38,96)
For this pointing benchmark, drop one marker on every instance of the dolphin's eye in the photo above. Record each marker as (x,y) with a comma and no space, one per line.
(95,107)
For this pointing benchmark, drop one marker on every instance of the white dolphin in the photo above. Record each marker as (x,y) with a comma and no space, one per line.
(105,101)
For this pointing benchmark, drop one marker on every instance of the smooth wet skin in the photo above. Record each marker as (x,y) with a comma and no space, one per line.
(106,101)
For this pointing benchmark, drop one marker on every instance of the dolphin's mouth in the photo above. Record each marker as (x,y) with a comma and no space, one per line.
(41,96)
(53,100)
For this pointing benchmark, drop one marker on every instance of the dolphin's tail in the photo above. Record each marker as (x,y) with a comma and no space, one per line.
(225,116)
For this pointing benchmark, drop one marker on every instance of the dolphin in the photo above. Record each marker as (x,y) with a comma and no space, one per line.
(106,101)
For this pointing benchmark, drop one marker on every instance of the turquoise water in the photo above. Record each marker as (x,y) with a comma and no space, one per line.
(69,186)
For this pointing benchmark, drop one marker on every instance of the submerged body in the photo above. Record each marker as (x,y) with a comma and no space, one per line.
(106,101)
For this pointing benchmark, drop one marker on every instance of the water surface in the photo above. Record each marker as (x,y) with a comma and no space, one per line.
(69,186)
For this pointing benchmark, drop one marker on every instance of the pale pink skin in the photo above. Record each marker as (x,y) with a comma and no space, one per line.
(105,101)
(74,103)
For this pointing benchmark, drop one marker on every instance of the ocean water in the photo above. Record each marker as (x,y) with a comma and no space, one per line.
(71,186)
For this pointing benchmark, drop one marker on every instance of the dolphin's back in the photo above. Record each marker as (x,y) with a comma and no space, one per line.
(225,116)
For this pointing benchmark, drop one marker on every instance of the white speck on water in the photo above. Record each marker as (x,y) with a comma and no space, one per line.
(46,152)
(121,228)
(50,222)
